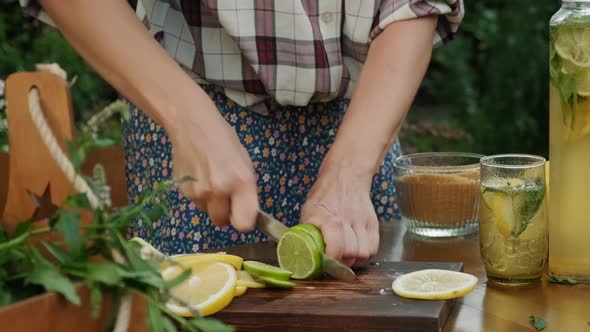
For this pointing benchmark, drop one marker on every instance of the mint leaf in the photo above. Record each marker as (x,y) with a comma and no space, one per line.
(557,280)
(168,325)
(61,255)
(23,227)
(95,301)
(47,275)
(78,201)
(538,323)
(155,318)
(106,273)
(210,325)
(77,154)
(102,143)
(69,225)
(528,203)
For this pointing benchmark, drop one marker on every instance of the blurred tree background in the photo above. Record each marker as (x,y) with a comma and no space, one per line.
(486,91)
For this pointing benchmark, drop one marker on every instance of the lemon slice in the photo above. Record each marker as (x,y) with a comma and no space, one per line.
(148,252)
(209,289)
(191,259)
(240,290)
(433,284)
(501,205)
(246,280)
(573,44)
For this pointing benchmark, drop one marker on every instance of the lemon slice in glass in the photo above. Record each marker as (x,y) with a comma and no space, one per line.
(573,44)
(434,284)
(209,289)
(501,205)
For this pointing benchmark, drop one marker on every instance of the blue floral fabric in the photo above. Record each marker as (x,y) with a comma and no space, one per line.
(286,146)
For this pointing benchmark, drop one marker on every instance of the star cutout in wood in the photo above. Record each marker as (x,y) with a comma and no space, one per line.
(44,205)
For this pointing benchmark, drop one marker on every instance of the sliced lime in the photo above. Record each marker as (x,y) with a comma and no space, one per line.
(272,282)
(298,253)
(260,269)
(246,280)
(315,234)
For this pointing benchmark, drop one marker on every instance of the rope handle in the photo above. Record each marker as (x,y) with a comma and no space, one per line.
(80,185)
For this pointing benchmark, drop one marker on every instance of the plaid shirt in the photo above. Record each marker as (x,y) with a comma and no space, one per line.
(289,52)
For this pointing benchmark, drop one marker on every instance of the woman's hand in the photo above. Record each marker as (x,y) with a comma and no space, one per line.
(339,204)
(204,146)
(207,149)
(339,201)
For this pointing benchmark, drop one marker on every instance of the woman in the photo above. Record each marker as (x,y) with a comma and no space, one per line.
(290,106)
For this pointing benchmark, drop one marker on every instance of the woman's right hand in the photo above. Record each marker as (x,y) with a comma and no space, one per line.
(206,148)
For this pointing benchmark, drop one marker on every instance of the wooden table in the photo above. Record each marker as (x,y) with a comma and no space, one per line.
(487,308)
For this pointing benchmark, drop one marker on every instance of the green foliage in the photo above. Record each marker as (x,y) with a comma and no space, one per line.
(87,254)
(25,42)
(493,78)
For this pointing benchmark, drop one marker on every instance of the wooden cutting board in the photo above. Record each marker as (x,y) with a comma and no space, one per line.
(367,304)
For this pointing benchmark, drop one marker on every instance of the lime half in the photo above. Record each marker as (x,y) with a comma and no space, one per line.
(315,234)
(272,282)
(297,252)
(266,270)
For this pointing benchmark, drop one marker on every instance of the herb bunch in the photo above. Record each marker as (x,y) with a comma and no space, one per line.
(86,253)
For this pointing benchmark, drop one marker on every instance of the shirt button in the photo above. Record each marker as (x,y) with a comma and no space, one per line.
(327,17)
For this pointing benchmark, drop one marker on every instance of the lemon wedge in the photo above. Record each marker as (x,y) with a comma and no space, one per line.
(240,290)
(501,205)
(209,289)
(188,260)
(434,284)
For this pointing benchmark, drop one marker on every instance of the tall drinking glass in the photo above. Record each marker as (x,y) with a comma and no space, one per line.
(513,218)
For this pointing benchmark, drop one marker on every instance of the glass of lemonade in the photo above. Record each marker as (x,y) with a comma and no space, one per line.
(513,218)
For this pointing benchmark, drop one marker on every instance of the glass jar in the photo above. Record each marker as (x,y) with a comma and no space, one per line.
(569,146)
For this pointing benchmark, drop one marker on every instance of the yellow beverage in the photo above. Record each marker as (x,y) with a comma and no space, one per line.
(513,230)
(569,230)
(569,109)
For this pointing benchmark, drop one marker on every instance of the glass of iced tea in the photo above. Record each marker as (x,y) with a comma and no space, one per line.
(513,218)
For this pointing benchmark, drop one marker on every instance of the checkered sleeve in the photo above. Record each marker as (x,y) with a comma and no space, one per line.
(450,14)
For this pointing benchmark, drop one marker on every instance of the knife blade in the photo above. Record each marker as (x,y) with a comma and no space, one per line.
(274,230)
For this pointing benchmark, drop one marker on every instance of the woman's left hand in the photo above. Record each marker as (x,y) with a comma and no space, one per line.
(339,204)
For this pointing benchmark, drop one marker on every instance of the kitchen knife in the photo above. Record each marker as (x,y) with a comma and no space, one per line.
(275,230)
